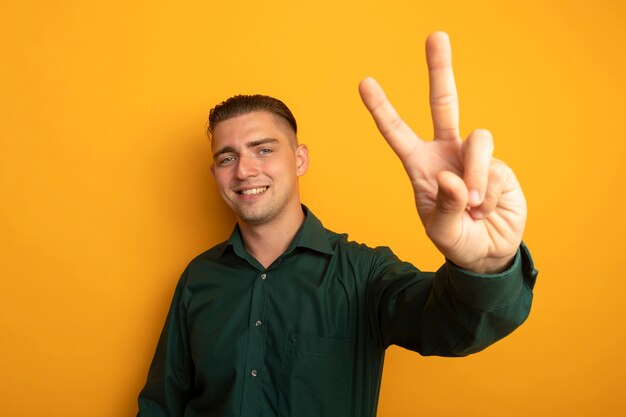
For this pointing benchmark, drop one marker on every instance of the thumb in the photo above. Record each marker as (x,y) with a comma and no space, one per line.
(445,224)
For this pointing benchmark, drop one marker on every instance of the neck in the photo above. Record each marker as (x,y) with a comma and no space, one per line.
(266,242)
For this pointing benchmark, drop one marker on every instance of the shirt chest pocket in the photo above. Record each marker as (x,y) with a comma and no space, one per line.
(315,376)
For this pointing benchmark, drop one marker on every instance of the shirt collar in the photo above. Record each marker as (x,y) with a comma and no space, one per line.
(311,235)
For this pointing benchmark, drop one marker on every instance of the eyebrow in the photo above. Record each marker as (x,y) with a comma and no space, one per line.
(254,143)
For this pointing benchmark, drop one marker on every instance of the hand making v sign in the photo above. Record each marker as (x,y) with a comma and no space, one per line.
(470,203)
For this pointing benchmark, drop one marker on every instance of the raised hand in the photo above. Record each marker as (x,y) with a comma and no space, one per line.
(470,204)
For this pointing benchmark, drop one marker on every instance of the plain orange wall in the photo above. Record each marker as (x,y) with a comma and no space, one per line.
(106,192)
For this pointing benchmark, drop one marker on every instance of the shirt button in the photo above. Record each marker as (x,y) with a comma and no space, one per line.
(258,323)
(254,372)
(263,276)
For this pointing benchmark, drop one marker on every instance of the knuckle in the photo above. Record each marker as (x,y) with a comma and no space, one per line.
(500,170)
(393,125)
(483,133)
(443,100)
(483,138)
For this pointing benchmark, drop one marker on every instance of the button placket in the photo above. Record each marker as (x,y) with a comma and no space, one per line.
(256,345)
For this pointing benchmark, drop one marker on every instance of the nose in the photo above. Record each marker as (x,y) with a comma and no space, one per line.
(246,167)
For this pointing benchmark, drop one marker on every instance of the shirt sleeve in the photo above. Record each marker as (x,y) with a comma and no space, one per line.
(452,312)
(170,378)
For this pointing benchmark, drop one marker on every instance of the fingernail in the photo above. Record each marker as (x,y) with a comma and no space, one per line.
(474,197)
(477,214)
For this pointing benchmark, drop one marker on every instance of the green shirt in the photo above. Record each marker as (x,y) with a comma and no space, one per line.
(307,336)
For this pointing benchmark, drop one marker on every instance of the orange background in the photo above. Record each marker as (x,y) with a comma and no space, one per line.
(106,193)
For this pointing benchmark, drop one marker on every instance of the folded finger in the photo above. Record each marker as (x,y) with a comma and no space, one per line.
(477,154)
(498,174)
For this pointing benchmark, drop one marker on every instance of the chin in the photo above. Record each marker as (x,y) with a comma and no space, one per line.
(255,218)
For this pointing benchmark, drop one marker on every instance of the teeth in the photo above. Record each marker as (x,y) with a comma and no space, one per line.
(254,191)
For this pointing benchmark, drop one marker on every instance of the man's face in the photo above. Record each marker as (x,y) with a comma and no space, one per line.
(256,163)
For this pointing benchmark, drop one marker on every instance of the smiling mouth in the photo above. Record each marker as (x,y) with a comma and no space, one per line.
(253,191)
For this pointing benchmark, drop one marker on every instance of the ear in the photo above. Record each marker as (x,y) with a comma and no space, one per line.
(213,170)
(302,160)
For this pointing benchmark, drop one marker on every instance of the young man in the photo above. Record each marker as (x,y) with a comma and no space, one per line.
(286,318)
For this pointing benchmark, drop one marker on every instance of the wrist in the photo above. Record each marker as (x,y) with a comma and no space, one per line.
(489,266)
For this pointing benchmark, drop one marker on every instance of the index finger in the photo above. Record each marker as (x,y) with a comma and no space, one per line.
(444,103)
(397,133)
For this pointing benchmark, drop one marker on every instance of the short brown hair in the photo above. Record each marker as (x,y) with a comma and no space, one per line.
(243,104)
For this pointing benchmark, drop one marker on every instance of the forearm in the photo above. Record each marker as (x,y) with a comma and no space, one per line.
(480,309)
(452,312)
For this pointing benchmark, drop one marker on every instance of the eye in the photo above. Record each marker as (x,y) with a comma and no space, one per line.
(265,151)
(226,160)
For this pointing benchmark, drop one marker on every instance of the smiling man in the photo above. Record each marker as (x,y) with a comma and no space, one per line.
(287,318)
(257,162)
